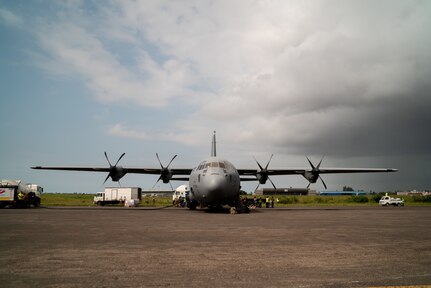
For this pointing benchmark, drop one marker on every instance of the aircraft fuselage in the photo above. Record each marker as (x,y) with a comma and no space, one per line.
(215,182)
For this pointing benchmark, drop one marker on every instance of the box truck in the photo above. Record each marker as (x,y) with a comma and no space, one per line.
(131,196)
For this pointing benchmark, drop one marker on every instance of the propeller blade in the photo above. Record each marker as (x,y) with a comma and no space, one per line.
(258,184)
(106,156)
(272,183)
(107,177)
(119,159)
(318,165)
(324,184)
(157,181)
(311,163)
(171,160)
(160,162)
(258,164)
(270,158)
(267,164)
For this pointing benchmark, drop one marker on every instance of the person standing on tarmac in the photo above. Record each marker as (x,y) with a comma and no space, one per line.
(21,196)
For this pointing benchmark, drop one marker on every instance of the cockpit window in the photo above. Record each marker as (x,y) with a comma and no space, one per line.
(201,166)
(205,165)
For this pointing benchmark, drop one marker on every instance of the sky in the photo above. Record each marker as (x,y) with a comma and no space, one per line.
(347,80)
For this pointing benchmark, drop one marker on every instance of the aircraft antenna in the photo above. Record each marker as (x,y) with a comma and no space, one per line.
(213,147)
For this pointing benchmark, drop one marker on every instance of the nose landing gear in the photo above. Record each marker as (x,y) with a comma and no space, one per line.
(240,207)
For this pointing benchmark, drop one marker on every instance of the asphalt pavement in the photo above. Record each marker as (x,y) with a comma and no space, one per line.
(175,247)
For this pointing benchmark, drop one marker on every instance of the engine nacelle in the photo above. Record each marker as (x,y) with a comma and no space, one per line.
(165,172)
(166,175)
(262,178)
(117,173)
(166,178)
(310,176)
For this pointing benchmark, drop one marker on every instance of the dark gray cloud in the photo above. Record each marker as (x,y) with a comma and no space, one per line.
(389,127)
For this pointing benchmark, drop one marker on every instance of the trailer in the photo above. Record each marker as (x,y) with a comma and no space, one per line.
(130,196)
(14,193)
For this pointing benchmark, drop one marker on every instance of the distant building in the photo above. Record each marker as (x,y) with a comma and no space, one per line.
(341,193)
(285,191)
(414,193)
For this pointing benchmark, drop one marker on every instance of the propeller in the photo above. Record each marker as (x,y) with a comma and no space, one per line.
(165,173)
(314,174)
(116,173)
(262,175)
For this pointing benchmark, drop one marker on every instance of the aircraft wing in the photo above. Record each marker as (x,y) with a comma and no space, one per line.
(254,172)
(301,171)
(311,174)
(154,171)
(88,169)
(117,172)
(355,170)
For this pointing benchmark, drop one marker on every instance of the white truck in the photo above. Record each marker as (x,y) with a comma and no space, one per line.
(129,196)
(181,191)
(388,200)
(15,194)
(179,195)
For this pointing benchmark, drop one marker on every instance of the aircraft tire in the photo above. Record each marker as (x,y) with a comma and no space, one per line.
(192,205)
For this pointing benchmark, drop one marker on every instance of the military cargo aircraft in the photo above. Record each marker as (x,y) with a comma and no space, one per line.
(215,181)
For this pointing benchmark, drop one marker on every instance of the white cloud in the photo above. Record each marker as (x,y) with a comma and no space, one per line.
(76,46)
(121,130)
(10,18)
(282,73)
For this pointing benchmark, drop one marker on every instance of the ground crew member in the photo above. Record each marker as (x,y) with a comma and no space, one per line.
(267,202)
(21,196)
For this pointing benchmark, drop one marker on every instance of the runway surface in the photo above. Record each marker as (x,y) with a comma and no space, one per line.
(174,247)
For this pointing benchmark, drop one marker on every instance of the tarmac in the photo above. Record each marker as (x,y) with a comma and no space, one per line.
(175,247)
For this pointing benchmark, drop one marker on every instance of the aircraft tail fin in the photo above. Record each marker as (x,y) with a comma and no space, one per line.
(213,146)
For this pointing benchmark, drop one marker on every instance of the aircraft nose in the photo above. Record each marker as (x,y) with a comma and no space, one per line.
(215,190)
(215,184)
